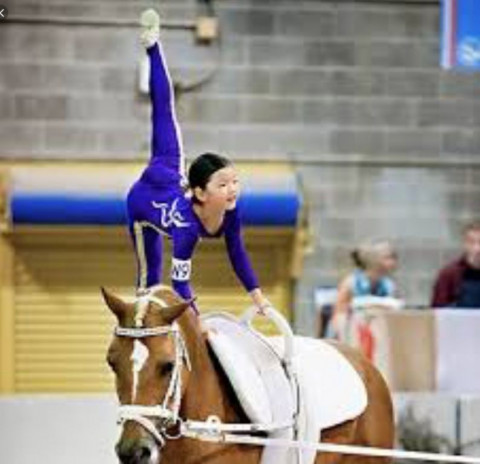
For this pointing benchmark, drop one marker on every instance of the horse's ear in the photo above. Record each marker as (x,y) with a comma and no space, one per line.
(115,304)
(172,313)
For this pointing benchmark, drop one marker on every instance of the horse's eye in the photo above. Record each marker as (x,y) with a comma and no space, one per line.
(166,368)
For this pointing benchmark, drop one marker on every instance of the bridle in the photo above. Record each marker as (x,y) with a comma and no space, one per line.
(157,420)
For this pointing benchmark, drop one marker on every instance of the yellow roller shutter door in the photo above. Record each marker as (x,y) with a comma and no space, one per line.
(62,327)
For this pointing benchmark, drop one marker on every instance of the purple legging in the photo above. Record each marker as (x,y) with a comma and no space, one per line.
(161,178)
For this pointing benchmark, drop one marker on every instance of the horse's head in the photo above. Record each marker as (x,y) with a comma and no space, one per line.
(150,361)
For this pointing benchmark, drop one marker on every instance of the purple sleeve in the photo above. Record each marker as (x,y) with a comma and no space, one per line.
(238,254)
(184,241)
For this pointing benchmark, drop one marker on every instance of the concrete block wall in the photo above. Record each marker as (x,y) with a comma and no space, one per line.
(469,429)
(452,417)
(440,413)
(350,91)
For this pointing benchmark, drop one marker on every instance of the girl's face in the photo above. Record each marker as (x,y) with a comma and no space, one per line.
(388,261)
(222,190)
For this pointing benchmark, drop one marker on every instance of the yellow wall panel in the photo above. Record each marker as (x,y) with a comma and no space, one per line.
(61,325)
(7,316)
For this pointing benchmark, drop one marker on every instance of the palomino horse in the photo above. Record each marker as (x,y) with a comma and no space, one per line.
(147,366)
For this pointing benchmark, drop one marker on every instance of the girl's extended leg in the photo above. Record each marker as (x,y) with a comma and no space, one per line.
(148,250)
(166,136)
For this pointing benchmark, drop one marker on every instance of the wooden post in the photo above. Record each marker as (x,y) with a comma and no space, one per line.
(4,200)
(7,316)
(302,245)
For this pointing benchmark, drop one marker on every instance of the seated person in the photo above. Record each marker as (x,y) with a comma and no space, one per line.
(458,284)
(375,261)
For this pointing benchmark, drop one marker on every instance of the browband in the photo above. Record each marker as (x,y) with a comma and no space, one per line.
(143,332)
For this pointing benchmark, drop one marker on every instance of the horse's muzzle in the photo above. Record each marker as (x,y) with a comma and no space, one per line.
(142,451)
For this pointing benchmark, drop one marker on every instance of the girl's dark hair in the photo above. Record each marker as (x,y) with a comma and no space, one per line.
(203,167)
(356,258)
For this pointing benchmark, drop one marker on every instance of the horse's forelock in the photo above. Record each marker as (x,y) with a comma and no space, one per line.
(163,294)
(141,307)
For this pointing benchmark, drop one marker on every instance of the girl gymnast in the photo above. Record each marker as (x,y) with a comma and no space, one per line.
(157,204)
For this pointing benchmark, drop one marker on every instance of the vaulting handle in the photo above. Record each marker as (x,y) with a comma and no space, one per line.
(280,322)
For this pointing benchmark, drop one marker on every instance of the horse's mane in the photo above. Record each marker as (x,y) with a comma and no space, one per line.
(142,301)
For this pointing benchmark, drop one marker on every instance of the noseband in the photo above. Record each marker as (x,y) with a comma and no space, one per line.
(158,419)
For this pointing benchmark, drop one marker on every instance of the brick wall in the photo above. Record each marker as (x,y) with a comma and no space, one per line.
(387,143)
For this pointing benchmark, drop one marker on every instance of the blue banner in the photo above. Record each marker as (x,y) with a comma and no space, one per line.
(461,34)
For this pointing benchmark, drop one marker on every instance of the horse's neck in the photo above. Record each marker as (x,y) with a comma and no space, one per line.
(207,391)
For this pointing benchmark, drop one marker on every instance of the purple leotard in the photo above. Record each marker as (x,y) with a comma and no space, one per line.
(156,203)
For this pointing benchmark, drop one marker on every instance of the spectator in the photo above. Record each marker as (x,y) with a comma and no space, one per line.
(458,284)
(374,261)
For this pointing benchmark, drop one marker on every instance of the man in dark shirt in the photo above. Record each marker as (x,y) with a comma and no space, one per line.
(458,284)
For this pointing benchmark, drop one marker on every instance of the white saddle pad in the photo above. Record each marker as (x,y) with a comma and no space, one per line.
(330,384)
(330,390)
(244,376)
(253,367)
